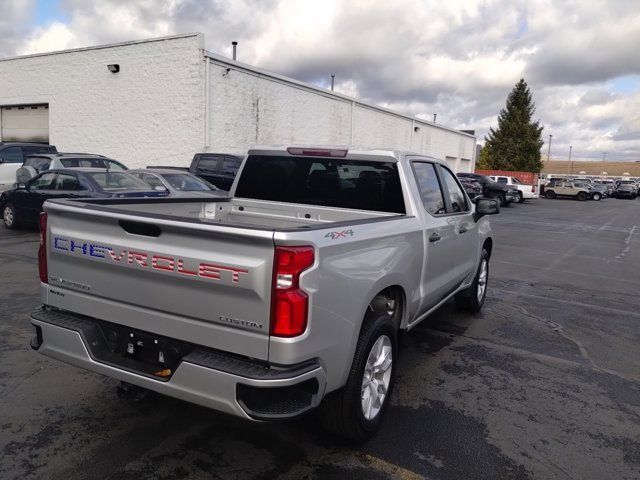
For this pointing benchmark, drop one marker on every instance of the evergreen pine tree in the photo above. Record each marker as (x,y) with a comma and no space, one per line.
(516,143)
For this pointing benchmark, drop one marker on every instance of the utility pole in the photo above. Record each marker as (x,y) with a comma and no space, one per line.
(604,156)
(434,117)
(549,150)
(333,78)
(570,169)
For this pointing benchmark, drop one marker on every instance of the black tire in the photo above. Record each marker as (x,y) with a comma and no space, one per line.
(501,198)
(582,196)
(597,197)
(520,197)
(341,412)
(470,300)
(10,217)
(550,194)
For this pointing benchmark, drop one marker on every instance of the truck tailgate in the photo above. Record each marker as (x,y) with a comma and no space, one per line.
(204,284)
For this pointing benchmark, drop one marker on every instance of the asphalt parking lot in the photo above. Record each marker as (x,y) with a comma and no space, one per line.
(544,384)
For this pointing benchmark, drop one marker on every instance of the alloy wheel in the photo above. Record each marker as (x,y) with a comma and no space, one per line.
(377,377)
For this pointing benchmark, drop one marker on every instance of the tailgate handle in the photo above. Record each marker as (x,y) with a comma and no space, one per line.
(139,228)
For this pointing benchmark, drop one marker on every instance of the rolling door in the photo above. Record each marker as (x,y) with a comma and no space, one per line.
(25,123)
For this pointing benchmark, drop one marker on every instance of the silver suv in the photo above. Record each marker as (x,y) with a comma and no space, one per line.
(41,162)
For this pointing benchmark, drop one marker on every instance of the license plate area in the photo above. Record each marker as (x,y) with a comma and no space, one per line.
(134,350)
(151,350)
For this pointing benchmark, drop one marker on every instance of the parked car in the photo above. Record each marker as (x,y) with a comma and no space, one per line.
(218,169)
(626,190)
(13,155)
(35,164)
(631,183)
(525,192)
(566,188)
(597,191)
(22,205)
(490,189)
(287,296)
(608,184)
(473,188)
(178,183)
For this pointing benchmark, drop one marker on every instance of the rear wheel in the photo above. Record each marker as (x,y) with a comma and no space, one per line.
(582,196)
(472,298)
(9,216)
(356,410)
(550,194)
(520,197)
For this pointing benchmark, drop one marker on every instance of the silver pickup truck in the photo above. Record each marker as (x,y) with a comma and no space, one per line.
(286,296)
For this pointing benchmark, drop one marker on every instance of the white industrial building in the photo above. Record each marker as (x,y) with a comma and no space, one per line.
(159,101)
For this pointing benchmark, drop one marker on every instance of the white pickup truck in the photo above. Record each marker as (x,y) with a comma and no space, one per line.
(289,293)
(526,192)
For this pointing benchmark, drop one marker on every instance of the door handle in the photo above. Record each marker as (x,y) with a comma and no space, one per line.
(434,237)
(463,228)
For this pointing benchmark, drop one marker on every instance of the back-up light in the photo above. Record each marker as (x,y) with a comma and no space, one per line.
(290,304)
(318,152)
(42,249)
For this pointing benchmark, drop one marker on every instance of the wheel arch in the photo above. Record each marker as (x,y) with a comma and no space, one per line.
(488,245)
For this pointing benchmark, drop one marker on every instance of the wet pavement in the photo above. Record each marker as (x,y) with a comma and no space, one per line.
(544,383)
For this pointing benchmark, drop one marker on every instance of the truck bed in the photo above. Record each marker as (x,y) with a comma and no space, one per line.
(235,212)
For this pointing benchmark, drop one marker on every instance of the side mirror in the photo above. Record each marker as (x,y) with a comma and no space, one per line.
(486,206)
(160,188)
(22,186)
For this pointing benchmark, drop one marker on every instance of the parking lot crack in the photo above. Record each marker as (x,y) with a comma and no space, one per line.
(581,348)
(627,243)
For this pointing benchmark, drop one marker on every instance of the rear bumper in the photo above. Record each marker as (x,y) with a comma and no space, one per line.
(209,378)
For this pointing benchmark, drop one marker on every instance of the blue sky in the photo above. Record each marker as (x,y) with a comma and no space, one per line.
(48,11)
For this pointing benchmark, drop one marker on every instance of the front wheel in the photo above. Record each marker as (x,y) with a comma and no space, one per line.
(597,197)
(472,298)
(500,198)
(9,216)
(356,410)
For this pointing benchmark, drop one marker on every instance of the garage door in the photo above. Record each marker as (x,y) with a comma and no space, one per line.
(25,123)
(451,161)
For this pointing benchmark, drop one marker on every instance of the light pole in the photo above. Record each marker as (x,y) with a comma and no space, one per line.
(549,149)
(604,156)
(570,166)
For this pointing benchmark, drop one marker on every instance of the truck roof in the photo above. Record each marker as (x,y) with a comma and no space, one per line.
(336,151)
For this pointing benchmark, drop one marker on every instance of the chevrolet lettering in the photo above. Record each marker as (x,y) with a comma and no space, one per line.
(147,260)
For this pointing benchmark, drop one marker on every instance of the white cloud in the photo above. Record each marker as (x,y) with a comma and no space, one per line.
(458,58)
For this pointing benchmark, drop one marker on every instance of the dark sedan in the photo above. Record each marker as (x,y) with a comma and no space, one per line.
(22,205)
(626,190)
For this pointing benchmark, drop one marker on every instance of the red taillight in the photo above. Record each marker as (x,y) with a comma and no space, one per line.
(42,249)
(289,304)
(318,152)
(533,189)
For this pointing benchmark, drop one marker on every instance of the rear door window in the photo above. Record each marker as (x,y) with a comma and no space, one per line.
(208,163)
(230,166)
(66,181)
(429,187)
